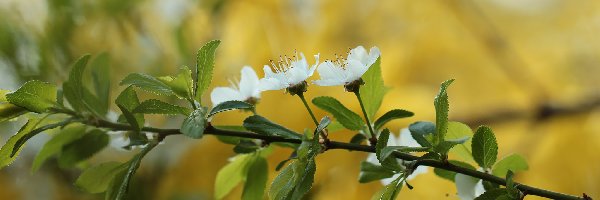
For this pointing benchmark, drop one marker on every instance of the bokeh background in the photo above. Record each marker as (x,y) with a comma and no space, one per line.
(530,69)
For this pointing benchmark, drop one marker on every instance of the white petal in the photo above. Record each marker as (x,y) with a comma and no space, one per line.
(222,94)
(374,54)
(118,139)
(465,185)
(387,181)
(406,139)
(249,83)
(419,170)
(330,74)
(312,69)
(271,84)
(479,189)
(372,158)
(296,75)
(358,53)
(355,70)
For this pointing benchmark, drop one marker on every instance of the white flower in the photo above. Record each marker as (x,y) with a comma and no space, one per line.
(468,187)
(289,72)
(246,90)
(404,140)
(342,72)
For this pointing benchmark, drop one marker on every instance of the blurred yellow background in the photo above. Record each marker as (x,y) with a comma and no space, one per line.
(528,68)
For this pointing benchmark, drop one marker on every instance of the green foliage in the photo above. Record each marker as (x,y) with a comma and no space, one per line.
(513,162)
(205,63)
(231,175)
(22,140)
(9,111)
(80,98)
(374,90)
(358,138)
(441,112)
(147,83)
(493,194)
(251,168)
(230,105)
(154,106)
(391,190)
(193,126)
(449,175)
(382,143)
(6,152)
(256,179)
(422,132)
(457,130)
(263,126)
(101,79)
(127,101)
(372,172)
(485,148)
(345,116)
(98,178)
(119,186)
(55,145)
(181,84)
(83,148)
(386,152)
(35,96)
(391,115)
(297,178)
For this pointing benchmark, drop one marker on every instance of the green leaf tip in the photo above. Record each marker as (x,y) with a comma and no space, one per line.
(441,111)
(205,63)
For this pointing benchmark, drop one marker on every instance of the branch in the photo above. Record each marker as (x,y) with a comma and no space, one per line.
(211,130)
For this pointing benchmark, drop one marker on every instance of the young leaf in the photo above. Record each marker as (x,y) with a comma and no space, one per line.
(325,121)
(485,148)
(230,105)
(22,140)
(5,152)
(346,117)
(181,84)
(9,111)
(245,146)
(120,185)
(35,96)
(513,162)
(193,126)
(445,146)
(55,145)
(147,83)
(382,143)
(372,172)
(449,175)
(335,126)
(80,98)
(391,115)
(283,183)
(391,190)
(387,151)
(457,130)
(231,175)
(127,101)
(101,79)
(154,106)
(422,132)
(256,179)
(83,148)
(96,179)
(205,63)
(263,126)
(441,112)
(373,91)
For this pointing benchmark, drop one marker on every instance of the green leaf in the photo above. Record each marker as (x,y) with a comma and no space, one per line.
(441,111)
(372,172)
(55,145)
(422,132)
(256,179)
(391,190)
(325,121)
(9,111)
(282,184)
(101,79)
(35,96)
(492,194)
(120,185)
(391,115)
(246,146)
(449,175)
(294,184)
(83,148)
(205,63)
(445,146)
(346,117)
(154,106)
(513,162)
(359,138)
(3,95)
(5,152)
(457,130)
(374,90)
(231,175)
(147,83)
(335,126)
(22,140)
(382,143)
(230,105)
(127,101)
(387,151)
(193,126)
(263,126)
(80,98)
(181,84)
(97,179)
(485,148)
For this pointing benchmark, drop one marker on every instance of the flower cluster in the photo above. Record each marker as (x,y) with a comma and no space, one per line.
(291,73)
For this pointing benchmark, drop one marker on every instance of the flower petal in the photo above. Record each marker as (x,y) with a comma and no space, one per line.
(271,84)
(374,54)
(296,75)
(222,94)
(355,70)
(330,74)
(359,53)
(465,185)
(418,171)
(406,139)
(312,69)
(249,83)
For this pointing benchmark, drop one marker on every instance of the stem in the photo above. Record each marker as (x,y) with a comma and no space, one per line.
(362,107)
(301,95)
(211,130)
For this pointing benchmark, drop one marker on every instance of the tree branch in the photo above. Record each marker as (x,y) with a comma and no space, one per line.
(211,130)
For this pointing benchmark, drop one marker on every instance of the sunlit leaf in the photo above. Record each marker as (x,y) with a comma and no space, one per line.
(205,63)
(374,90)
(35,96)
(345,116)
(7,149)
(181,84)
(441,111)
(231,175)
(457,130)
(147,83)
(513,162)
(256,179)
(9,111)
